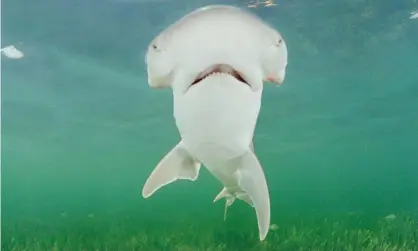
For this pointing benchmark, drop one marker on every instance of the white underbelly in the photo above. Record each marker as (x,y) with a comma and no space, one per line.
(224,172)
(216,118)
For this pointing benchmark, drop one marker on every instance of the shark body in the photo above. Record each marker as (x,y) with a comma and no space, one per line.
(216,60)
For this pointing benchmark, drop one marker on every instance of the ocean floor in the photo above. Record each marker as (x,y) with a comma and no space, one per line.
(351,231)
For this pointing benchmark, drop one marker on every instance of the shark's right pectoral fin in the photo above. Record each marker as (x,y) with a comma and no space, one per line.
(251,179)
(177,164)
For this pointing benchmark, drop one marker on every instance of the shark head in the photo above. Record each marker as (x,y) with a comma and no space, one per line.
(216,39)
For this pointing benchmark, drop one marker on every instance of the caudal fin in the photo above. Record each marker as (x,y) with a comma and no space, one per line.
(252,180)
(177,164)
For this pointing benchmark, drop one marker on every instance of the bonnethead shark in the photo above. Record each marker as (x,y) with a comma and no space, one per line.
(216,60)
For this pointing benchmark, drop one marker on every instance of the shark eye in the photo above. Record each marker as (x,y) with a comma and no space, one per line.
(279,42)
(155,48)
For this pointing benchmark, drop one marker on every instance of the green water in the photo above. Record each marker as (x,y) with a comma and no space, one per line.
(81,131)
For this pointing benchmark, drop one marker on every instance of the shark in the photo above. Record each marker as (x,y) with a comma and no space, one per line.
(216,61)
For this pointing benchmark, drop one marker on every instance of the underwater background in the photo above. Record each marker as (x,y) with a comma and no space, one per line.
(82,130)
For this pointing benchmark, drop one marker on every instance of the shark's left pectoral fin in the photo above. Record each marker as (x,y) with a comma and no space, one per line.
(177,164)
(251,179)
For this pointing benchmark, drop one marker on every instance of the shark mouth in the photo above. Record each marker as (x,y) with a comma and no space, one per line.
(220,68)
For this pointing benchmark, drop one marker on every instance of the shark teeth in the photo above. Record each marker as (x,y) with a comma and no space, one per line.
(220,70)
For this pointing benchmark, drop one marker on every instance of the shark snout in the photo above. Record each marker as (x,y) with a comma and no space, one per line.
(277,79)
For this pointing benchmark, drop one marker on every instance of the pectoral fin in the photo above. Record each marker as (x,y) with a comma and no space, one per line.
(177,164)
(251,179)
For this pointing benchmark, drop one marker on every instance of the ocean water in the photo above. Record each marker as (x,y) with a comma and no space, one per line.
(82,130)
